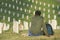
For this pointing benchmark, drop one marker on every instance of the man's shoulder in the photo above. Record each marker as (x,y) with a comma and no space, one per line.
(38,17)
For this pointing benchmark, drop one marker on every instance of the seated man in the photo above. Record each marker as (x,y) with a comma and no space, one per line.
(37,24)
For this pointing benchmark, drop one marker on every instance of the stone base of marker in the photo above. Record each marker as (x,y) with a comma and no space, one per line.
(15,27)
(25,25)
(58,27)
(53,23)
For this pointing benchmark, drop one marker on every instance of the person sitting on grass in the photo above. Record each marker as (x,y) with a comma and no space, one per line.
(37,25)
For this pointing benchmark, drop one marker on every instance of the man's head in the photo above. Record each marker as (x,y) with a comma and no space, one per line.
(37,13)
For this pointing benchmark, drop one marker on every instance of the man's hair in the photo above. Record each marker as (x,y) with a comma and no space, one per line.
(37,13)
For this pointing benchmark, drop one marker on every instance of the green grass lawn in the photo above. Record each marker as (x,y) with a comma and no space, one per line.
(9,35)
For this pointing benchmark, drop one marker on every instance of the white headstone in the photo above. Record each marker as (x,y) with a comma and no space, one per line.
(20,2)
(29,0)
(44,3)
(32,1)
(2,3)
(49,21)
(57,6)
(9,12)
(13,7)
(59,12)
(13,0)
(29,11)
(22,15)
(25,25)
(36,1)
(1,9)
(5,11)
(35,7)
(25,10)
(48,15)
(21,9)
(13,19)
(9,5)
(17,8)
(23,4)
(48,10)
(53,5)
(19,21)
(58,27)
(54,24)
(8,19)
(13,13)
(27,5)
(3,17)
(31,6)
(1,26)
(43,14)
(6,0)
(6,4)
(34,13)
(53,11)
(48,5)
(54,16)
(15,27)
(17,14)
(27,17)
(39,8)
(40,3)
(16,1)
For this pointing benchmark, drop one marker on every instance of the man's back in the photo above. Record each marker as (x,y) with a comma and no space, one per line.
(36,24)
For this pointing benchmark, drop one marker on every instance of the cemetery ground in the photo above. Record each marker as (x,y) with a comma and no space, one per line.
(9,35)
